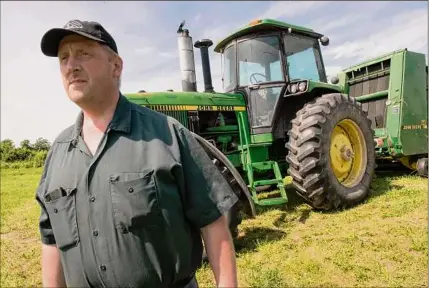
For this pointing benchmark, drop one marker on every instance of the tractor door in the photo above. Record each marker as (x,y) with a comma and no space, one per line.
(261,74)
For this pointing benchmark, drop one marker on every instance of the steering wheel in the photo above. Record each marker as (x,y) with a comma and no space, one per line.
(256,81)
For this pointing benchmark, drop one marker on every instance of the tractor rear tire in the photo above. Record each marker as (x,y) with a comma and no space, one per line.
(331,152)
(233,215)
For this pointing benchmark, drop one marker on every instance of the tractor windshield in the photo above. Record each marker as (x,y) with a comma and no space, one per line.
(259,61)
(303,58)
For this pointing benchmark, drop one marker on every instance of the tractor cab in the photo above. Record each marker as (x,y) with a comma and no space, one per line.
(266,60)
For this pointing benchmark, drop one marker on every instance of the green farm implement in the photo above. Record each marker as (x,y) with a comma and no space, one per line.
(278,116)
(393,89)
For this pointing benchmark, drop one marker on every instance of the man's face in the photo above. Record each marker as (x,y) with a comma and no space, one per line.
(87,68)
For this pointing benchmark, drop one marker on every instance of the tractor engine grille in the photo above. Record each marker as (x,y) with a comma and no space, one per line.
(181,116)
(368,80)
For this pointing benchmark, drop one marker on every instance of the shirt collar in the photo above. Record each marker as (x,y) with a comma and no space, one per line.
(121,120)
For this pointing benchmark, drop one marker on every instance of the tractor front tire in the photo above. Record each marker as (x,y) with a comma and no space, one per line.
(331,152)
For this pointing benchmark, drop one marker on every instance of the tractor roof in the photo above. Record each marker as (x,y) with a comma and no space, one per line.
(263,24)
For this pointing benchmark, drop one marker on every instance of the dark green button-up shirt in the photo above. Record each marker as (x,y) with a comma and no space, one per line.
(129,216)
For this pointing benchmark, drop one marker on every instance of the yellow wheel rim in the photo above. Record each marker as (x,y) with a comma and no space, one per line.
(348,153)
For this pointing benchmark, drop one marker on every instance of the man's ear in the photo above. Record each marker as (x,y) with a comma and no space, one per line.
(118,63)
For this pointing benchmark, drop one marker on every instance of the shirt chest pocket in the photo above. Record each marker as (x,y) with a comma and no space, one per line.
(61,207)
(135,201)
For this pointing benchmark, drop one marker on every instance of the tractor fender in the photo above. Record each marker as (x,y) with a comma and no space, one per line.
(245,196)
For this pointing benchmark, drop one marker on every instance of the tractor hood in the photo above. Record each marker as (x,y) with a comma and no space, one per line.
(187,98)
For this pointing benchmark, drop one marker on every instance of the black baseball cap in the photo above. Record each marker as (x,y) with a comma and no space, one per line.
(90,29)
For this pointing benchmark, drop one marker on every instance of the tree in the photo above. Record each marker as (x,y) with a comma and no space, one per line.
(42,144)
(6,145)
(25,144)
(7,148)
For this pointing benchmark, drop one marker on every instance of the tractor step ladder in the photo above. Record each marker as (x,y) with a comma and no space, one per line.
(265,166)
(248,166)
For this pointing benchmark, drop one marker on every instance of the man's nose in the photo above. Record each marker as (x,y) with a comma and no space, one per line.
(73,64)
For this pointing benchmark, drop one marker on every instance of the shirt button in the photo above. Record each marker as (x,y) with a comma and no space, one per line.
(55,210)
(95,233)
(102,267)
(113,178)
(131,190)
(92,199)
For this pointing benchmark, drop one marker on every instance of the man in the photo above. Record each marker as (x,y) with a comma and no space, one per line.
(125,191)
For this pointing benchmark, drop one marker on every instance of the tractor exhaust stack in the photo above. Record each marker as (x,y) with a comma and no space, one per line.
(187,62)
(205,62)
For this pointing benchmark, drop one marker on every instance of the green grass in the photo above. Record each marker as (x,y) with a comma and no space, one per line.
(380,243)
(20,246)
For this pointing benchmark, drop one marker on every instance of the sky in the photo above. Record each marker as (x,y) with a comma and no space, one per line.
(34,103)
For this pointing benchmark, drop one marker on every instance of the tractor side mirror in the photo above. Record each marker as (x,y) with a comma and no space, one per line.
(324,41)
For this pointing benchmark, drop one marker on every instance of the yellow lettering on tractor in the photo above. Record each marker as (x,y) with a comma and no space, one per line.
(415,126)
(205,108)
(196,108)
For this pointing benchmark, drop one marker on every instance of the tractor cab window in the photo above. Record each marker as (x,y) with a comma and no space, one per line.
(259,61)
(303,58)
(229,71)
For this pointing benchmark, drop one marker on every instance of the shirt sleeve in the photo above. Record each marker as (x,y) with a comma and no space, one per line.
(206,193)
(45,228)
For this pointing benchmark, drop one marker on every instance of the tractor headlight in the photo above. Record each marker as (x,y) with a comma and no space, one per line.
(293,88)
(302,86)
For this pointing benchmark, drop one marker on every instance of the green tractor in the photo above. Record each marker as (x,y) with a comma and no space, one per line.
(278,116)
(393,89)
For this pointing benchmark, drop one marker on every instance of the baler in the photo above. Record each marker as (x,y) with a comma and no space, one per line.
(393,90)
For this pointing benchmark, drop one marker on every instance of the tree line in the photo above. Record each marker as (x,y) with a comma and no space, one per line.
(27,154)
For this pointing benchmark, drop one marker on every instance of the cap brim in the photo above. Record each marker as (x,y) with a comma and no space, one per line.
(51,40)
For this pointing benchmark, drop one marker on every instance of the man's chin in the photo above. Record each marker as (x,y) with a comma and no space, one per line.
(78,97)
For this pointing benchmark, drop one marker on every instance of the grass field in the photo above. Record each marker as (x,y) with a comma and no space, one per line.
(380,243)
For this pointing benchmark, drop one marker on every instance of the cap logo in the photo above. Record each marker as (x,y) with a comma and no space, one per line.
(74,24)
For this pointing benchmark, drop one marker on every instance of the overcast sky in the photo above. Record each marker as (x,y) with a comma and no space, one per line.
(34,104)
